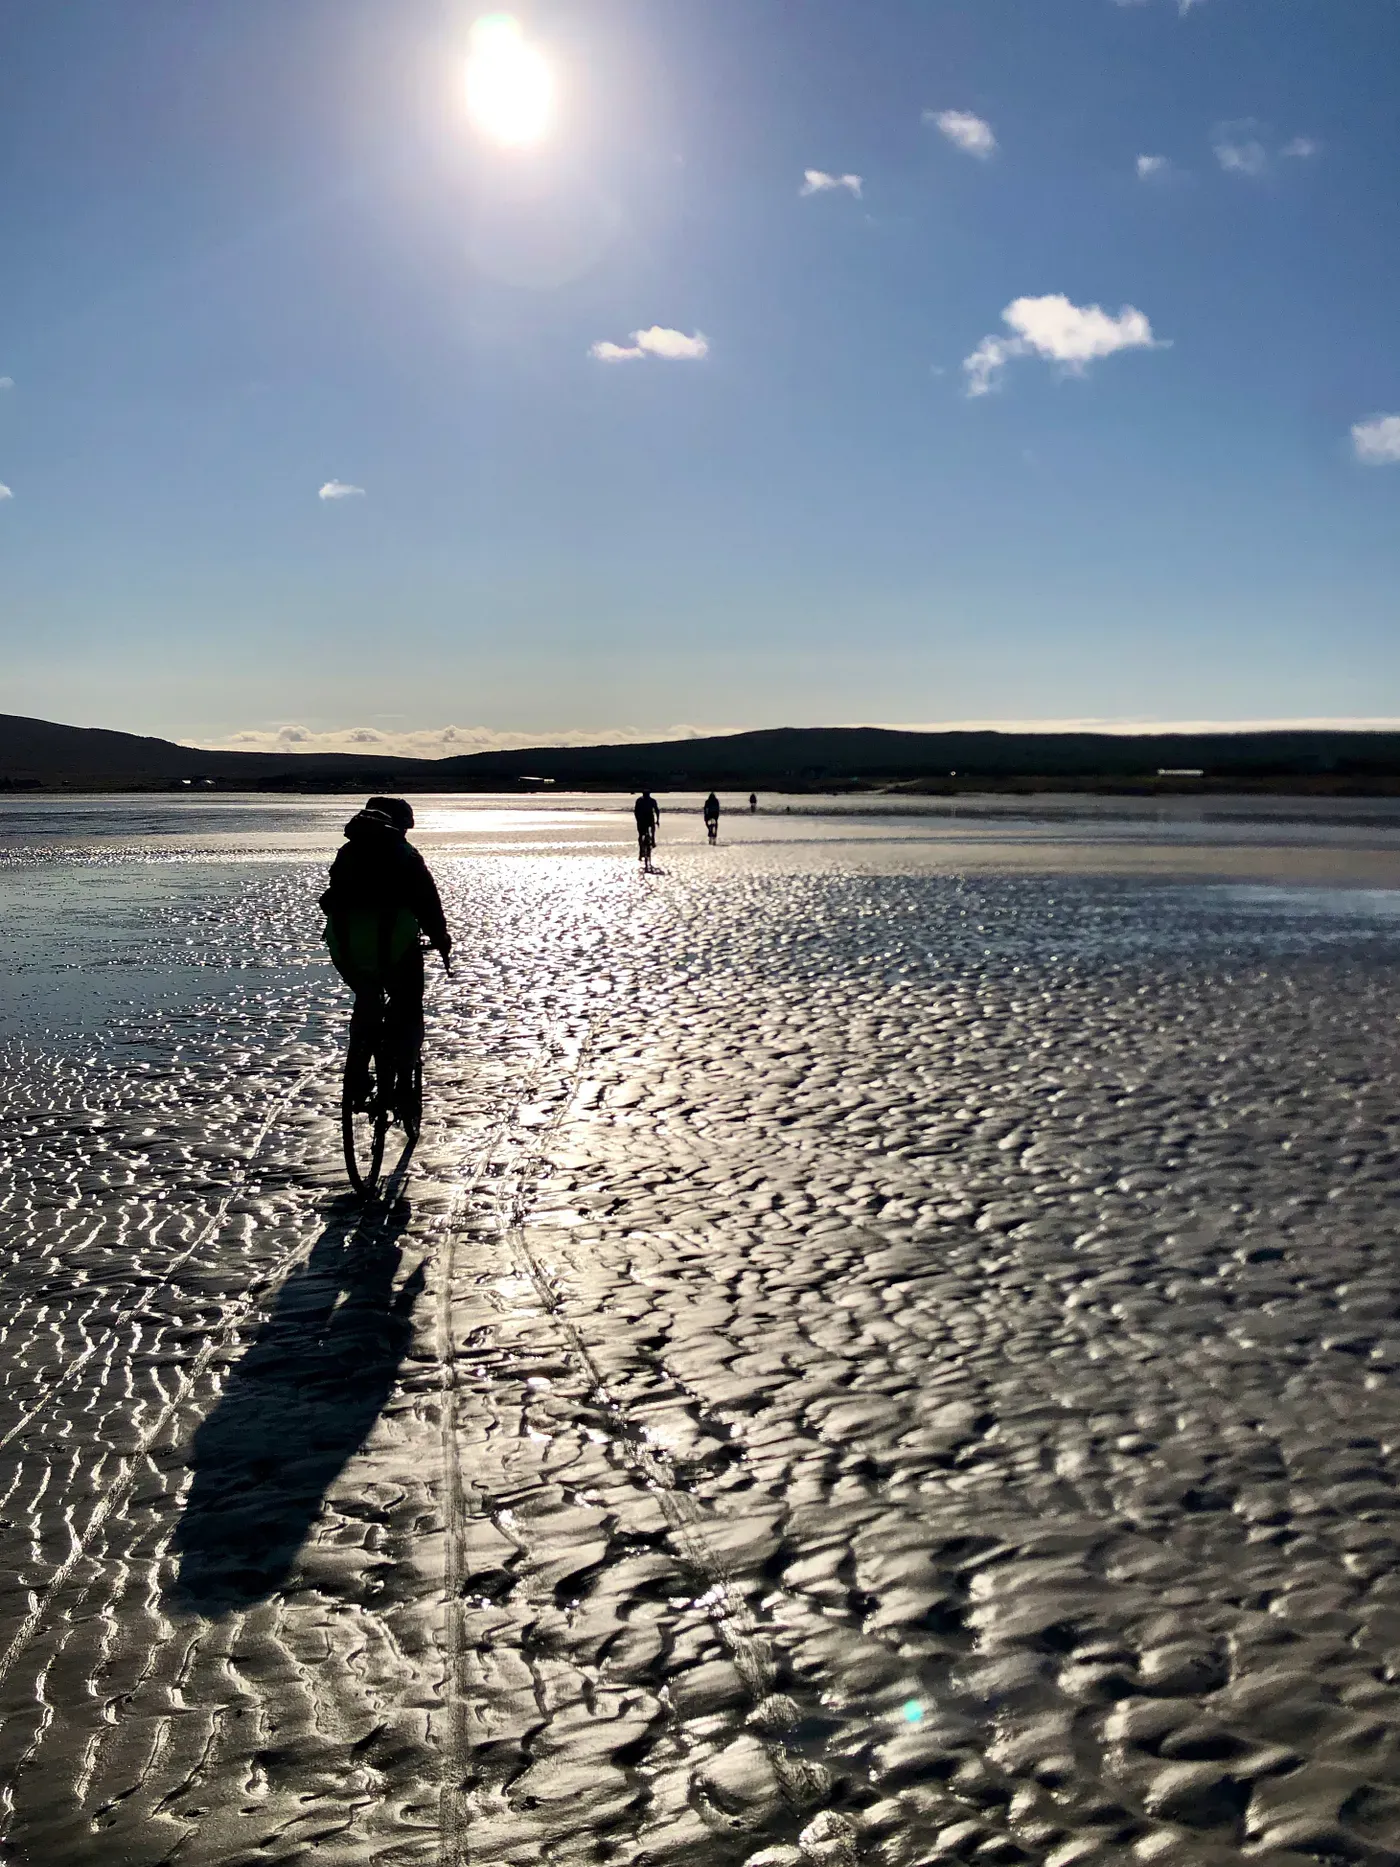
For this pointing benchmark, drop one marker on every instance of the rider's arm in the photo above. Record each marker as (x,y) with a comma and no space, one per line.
(334,895)
(427,905)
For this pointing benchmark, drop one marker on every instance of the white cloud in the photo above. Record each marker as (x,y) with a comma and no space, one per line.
(656,341)
(340,489)
(1377,441)
(673,345)
(817,181)
(1301,147)
(967,132)
(1052,327)
(5,493)
(440,741)
(7,382)
(1077,334)
(1153,167)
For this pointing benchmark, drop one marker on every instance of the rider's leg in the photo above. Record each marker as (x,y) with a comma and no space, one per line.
(365,1019)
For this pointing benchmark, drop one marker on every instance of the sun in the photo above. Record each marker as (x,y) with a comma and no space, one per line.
(510,88)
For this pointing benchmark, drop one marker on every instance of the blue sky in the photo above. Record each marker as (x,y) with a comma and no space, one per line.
(258,248)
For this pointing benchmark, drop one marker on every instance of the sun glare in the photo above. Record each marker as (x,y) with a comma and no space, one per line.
(510,89)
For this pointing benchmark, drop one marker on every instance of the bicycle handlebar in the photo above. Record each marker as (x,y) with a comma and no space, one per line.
(426,946)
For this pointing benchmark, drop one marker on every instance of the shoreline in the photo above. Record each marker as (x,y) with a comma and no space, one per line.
(1319,786)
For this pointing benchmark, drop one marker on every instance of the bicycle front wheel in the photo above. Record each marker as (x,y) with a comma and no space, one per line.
(364,1120)
(410,1097)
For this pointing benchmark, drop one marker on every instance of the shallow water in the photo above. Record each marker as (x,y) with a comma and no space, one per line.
(886,1353)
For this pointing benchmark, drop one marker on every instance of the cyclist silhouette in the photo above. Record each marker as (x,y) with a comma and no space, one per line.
(381,898)
(753,801)
(710,811)
(648,814)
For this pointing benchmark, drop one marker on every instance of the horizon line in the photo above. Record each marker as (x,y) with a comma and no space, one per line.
(446,742)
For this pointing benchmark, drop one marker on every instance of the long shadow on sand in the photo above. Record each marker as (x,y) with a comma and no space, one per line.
(297,1407)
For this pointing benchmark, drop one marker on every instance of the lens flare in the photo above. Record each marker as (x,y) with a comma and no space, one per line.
(510,88)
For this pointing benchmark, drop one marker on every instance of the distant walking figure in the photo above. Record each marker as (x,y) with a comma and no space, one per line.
(648,814)
(710,812)
(753,800)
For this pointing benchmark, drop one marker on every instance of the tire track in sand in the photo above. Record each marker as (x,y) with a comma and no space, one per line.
(803,1783)
(451,1810)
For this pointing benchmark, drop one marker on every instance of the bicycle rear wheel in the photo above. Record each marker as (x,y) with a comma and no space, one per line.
(364,1120)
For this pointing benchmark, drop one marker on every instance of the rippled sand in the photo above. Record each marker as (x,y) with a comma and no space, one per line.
(879,1359)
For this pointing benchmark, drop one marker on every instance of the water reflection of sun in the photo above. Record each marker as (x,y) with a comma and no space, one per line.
(510,88)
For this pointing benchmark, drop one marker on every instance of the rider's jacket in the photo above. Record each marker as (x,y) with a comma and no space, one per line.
(381,896)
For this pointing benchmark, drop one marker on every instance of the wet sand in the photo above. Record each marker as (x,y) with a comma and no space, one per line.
(885,1354)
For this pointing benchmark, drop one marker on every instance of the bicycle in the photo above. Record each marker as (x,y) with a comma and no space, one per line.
(646,844)
(365,1110)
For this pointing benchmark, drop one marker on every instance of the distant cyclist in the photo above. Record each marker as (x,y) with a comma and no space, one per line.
(648,814)
(709,810)
(753,801)
(381,898)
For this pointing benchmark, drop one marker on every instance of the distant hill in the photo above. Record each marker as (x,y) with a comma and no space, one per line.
(39,753)
(823,757)
(71,757)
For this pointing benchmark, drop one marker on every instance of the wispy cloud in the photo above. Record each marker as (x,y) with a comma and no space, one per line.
(817,181)
(1059,331)
(5,493)
(1183,7)
(656,341)
(1123,728)
(1153,168)
(1243,148)
(1377,441)
(1247,158)
(7,382)
(985,364)
(340,489)
(970,133)
(456,741)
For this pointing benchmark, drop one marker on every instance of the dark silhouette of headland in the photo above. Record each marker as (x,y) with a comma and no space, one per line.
(40,755)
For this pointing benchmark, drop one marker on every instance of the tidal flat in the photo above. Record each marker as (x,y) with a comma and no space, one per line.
(886,1350)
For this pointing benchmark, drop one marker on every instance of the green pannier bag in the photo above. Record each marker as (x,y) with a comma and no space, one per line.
(367,945)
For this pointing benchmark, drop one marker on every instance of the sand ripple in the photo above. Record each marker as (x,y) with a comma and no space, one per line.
(867,1369)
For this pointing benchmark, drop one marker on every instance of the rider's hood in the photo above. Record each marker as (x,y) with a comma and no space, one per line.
(369,826)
